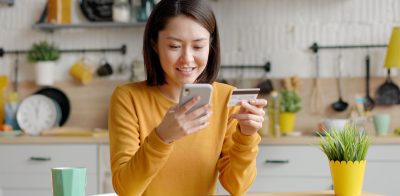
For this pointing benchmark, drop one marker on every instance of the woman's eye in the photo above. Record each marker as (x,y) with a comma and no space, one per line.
(174,46)
(198,47)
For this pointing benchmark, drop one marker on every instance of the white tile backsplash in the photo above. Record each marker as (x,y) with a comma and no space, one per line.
(252,32)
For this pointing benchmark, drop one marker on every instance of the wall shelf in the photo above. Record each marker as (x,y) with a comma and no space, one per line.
(46,27)
(8,2)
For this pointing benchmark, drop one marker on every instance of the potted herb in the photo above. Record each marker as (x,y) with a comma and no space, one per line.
(289,105)
(44,55)
(346,150)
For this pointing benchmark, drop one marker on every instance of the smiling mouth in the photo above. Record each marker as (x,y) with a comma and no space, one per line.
(186,69)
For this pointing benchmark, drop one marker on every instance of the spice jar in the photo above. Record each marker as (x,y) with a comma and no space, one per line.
(121,11)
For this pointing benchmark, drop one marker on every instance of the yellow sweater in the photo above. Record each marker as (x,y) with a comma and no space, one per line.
(142,164)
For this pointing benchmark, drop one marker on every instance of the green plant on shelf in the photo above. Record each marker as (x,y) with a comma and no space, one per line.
(43,51)
(289,101)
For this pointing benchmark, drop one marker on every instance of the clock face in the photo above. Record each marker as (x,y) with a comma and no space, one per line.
(37,113)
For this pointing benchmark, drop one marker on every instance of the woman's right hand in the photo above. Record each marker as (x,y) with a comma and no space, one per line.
(177,123)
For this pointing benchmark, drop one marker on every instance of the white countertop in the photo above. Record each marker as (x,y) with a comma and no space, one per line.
(303,140)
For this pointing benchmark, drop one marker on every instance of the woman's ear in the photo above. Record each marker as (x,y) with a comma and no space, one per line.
(154,46)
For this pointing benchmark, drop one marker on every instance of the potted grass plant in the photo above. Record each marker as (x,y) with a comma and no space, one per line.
(289,105)
(346,150)
(44,55)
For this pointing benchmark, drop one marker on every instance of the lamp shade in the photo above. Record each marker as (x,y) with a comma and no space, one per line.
(393,50)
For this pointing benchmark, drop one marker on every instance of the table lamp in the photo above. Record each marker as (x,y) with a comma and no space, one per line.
(389,93)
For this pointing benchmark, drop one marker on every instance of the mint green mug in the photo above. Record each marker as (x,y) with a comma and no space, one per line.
(69,181)
(381,123)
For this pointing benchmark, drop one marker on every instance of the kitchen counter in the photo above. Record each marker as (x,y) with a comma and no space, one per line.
(53,140)
(313,140)
(322,193)
(303,140)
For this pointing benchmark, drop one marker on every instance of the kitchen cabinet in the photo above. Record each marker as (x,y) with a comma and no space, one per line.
(105,179)
(290,168)
(26,163)
(297,168)
(26,168)
(382,172)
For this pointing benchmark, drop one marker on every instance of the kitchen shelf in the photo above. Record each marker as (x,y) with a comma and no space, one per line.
(46,27)
(8,2)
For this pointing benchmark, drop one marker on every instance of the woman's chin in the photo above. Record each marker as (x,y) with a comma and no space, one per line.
(187,81)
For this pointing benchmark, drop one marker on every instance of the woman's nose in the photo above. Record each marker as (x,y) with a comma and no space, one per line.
(187,56)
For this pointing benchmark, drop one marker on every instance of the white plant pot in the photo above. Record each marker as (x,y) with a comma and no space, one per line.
(45,73)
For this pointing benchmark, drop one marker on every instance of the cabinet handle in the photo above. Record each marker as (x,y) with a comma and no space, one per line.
(277,161)
(40,158)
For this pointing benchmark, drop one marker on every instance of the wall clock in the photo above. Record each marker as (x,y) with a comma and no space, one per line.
(37,113)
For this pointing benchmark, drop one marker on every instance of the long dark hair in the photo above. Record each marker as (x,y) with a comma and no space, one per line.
(163,11)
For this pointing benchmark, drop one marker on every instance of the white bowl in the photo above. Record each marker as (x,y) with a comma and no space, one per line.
(335,124)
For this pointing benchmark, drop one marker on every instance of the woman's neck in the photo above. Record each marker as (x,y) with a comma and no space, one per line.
(171,91)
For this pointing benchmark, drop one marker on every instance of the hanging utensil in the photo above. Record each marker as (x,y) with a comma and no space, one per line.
(339,105)
(16,69)
(266,86)
(388,93)
(368,101)
(316,97)
(105,68)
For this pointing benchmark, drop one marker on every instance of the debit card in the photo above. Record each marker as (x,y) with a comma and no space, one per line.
(245,94)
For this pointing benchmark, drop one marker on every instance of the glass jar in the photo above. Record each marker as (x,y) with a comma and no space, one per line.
(135,9)
(121,11)
(145,10)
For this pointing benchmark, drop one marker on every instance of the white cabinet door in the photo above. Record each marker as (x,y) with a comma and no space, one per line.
(290,168)
(292,160)
(27,168)
(382,172)
(264,184)
(305,167)
(105,169)
(30,192)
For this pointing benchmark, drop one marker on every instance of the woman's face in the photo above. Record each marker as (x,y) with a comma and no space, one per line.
(183,48)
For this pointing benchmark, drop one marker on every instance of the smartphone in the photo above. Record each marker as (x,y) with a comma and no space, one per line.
(189,91)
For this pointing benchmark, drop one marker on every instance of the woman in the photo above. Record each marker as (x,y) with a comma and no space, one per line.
(158,148)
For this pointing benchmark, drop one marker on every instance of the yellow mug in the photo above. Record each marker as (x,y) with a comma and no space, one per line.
(81,71)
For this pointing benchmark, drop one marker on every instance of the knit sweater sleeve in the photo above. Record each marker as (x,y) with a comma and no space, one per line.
(133,164)
(237,163)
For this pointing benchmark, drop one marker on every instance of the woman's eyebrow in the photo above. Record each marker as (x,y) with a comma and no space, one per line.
(179,40)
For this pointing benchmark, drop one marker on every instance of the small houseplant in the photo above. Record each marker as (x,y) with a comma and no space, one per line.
(289,104)
(44,55)
(346,150)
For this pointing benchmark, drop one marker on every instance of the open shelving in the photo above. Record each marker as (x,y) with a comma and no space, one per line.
(47,27)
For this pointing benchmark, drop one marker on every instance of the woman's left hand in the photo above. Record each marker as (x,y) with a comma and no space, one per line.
(251,116)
